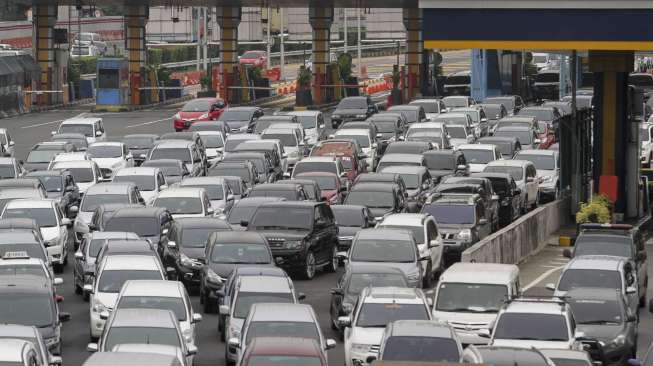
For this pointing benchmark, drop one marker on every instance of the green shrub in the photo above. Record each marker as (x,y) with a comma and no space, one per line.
(595,211)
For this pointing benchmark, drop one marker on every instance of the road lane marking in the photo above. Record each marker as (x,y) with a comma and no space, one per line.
(543,266)
(149,123)
(541,277)
(52,122)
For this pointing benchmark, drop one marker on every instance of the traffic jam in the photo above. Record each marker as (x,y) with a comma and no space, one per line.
(236,206)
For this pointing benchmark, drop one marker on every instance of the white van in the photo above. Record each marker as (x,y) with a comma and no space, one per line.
(469,296)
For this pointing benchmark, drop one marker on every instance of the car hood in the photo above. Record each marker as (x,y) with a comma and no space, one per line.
(347,112)
(107,162)
(179,216)
(460,320)
(212,152)
(530,344)
(54,194)
(108,299)
(50,233)
(476,168)
(35,166)
(237,124)
(380,211)
(193,253)
(547,173)
(172,179)
(287,235)
(154,239)
(348,230)
(605,332)
(83,186)
(85,216)
(404,267)
(366,335)
(190,115)
(224,269)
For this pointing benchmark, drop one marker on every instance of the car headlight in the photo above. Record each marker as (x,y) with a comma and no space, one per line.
(98,307)
(347,307)
(188,335)
(361,348)
(189,262)
(619,341)
(213,277)
(234,331)
(204,116)
(464,234)
(53,242)
(361,116)
(414,275)
(293,244)
(176,116)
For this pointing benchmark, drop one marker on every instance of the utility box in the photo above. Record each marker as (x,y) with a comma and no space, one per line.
(112,83)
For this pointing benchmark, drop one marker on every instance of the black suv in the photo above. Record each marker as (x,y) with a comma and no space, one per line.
(489,197)
(505,187)
(186,244)
(381,198)
(353,109)
(291,192)
(60,185)
(303,236)
(150,223)
(441,163)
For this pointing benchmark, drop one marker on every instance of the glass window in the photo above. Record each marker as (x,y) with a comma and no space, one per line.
(371,199)
(287,139)
(569,362)
(352,103)
(7,171)
(524,137)
(517,173)
(269,360)
(548,77)
(27,309)
(470,297)
(141,335)
(418,231)
(235,116)
(141,226)
(540,114)
(180,205)
(142,182)
(325,183)
(439,162)
(478,156)
(42,156)
(427,349)
(212,141)
(383,251)
(245,300)
(601,312)
(174,304)
(240,254)
(307,167)
(451,214)
(574,278)
(182,154)
(532,326)
(282,329)
(268,218)
(84,129)
(91,201)
(603,245)
(198,105)
(112,280)
(379,315)
(359,281)
(541,162)
(34,250)
(44,217)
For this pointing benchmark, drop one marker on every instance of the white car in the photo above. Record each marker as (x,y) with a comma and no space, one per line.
(213,145)
(313,122)
(110,275)
(432,107)
(165,295)
(646,152)
(376,307)
(547,164)
(110,156)
(459,135)
(217,189)
(7,142)
(365,140)
(479,119)
(52,222)
(145,349)
(69,156)
(91,127)
(85,172)
(427,237)
(185,202)
(149,180)
(479,155)
(525,176)
(292,141)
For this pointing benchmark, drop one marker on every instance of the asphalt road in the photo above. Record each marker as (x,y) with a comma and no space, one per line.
(32,128)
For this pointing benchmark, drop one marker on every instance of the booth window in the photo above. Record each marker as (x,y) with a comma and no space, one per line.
(108,79)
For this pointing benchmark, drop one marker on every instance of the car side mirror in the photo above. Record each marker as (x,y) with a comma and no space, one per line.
(64,317)
(484,333)
(330,344)
(550,286)
(537,141)
(55,361)
(196,318)
(631,290)
(88,289)
(461,167)
(172,244)
(482,221)
(224,309)
(192,350)
(230,197)
(244,223)
(210,211)
(337,291)
(98,133)
(344,321)
(92,347)
(301,296)
(12,143)
(234,342)
(370,359)
(104,315)
(566,253)
(171,272)
(434,243)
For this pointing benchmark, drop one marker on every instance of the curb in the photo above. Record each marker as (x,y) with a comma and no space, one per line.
(35,109)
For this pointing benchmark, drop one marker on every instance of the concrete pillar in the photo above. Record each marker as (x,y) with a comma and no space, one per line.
(320,19)
(44,20)
(136,17)
(229,18)
(413,23)
(612,131)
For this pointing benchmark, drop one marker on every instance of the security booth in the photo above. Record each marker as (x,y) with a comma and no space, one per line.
(112,83)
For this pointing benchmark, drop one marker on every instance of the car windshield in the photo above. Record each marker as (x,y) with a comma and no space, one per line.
(452,120)
(282,329)
(574,278)
(112,280)
(325,183)
(501,186)
(439,162)
(231,144)
(470,297)
(429,107)
(359,281)
(478,156)
(352,103)
(548,77)
(44,217)
(366,250)
(174,304)
(269,360)
(418,231)
(95,246)
(245,300)
(422,131)
(363,140)
(603,245)
(181,205)
(371,199)
(195,237)
(268,218)
(138,142)
(86,130)
(212,141)
(451,214)
(271,192)
(596,311)
(509,103)
(349,218)
(221,170)
(104,151)
(410,115)
(51,183)
(143,226)
(240,253)
(426,349)
(532,326)
(142,182)
(250,55)
(27,309)
(33,250)
(517,173)
(307,167)
(22,270)
(524,137)
(199,105)
(641,80)
(379,315)
(235,116)
(287,139)
(91,201)
(42,156)
(308,122)
(7,171)
(644,134)
(541,162)
(540,114)
(457,132)
(214,191)
(141,335)
(493,111)
(241,213)
(181,153)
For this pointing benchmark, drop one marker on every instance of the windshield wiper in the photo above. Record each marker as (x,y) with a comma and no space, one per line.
(271,227)
(590,322)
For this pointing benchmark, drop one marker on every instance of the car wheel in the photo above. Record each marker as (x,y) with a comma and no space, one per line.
(428,277)
(642,301)
(309,266)
(333,266)
(58,268)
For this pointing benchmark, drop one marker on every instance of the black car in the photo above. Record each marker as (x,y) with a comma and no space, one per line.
(512,103)
(186,244)
(244,209)
(547,85)
(60,185)
(389,128)
(42,154)
(150,223)
(302,239)
(354,280)
(241,119)
(139,145)
(488,196)
(381,198)
(310,187)
(224,251)
(350,220)
(441,163)
(291,192)
(413,113)
(353,109)
(459,83)
(509,195)
(174,170)
(549,114)
(246,170)
(383,178)
(102,212)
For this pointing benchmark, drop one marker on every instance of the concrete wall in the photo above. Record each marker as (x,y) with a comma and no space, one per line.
(522,238)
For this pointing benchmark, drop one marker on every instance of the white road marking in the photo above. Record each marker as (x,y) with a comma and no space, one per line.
(52,122)
(541,277)
(543,266)
(149,123)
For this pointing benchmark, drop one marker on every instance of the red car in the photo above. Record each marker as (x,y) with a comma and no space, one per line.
(346,150)
(201,109)
(283,351)
(547,136)
(333,191)
(254,58)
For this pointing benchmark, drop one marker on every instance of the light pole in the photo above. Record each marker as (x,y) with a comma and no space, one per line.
(346,32)
(269,26)
(358,46)
(283,56)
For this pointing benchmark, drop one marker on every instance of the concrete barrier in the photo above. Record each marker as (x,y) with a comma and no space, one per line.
(522,238)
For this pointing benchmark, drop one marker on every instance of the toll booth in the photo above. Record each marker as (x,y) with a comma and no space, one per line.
(112,83)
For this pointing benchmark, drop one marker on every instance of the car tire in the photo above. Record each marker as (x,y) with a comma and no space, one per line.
(642,301)
(332,266)
(58,268)
(427,281)
(308,269)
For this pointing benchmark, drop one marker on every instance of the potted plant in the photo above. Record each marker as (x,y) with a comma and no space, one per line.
(597,210)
